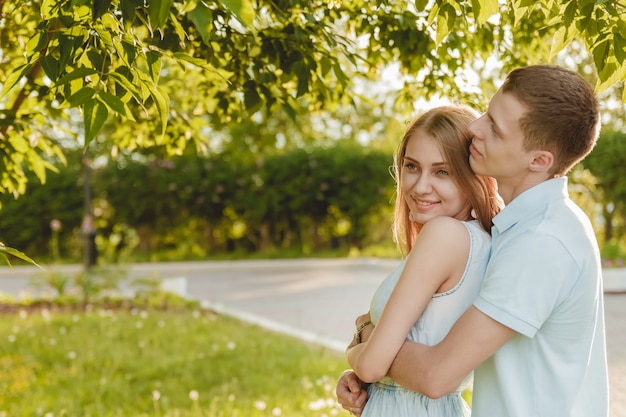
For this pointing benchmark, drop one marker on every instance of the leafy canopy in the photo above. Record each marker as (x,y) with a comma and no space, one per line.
(164,73)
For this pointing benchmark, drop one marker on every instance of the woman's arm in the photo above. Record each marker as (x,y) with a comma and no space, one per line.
(439,255)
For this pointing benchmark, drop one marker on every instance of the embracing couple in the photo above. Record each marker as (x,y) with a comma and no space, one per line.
(502,275)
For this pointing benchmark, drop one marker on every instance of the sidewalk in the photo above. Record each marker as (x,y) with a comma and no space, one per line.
(318,299)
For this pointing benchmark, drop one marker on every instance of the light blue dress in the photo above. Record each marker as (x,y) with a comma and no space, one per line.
(388,399)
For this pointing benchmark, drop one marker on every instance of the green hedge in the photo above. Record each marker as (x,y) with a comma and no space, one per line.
(300,200)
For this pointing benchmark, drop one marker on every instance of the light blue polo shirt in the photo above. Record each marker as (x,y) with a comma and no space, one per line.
(544,280)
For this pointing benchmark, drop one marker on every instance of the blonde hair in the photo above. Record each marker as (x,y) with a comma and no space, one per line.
(448,126)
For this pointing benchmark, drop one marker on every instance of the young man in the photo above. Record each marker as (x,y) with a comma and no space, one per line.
(535,335)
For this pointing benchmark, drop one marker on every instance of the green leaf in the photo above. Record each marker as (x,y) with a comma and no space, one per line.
(81,96)
(128,8)
(95,114)
(585,7)
(569,12)
(484,9)
(178,28)
(445,21)
(242,9)
(50,66)
(4,250)
(158,11)
(36,43)
(610,75)
(126,85)
(291,112)
(115,104)
(519,13)
(78,73)
(201,63)
(99,8)
(154,65)
(47,7)
(161,100)
(600,53)
(202,18)
(619,44)
(524,3)
(434,12)
(420,5)
(563,37)
(14,78)
(251,98)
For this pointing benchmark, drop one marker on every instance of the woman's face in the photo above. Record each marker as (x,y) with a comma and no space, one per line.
(428,187)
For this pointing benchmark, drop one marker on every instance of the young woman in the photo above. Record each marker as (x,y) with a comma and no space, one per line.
(442,220)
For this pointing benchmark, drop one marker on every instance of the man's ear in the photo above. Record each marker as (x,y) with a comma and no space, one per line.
(542,161)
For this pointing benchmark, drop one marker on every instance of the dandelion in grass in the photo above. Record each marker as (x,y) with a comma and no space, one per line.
(320,404)
(156,396)
(71,355)
(260,405)
(307,384)
(193,396)
(52,341)
(277,411)
(23,315)
(12,338)
(75,318)
(139,324)
(231,397)
(161,323)
(46,315)
(231,345)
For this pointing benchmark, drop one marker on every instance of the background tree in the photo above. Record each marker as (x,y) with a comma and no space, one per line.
(119,61)
(606,163)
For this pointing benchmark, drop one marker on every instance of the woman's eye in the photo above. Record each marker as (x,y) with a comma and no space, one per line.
(443,173)
(410,165)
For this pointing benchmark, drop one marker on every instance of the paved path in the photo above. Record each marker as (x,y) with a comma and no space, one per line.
(316,300)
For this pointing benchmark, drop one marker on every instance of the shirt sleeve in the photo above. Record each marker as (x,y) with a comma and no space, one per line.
(525,280)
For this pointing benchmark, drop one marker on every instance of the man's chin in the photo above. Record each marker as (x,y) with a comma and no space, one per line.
(476,165)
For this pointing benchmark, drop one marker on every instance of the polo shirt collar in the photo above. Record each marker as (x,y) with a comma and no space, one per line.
(535,199)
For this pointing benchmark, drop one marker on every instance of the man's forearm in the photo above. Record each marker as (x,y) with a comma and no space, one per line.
(416,368)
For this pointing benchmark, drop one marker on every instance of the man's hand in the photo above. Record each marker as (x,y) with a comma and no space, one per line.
(351,393)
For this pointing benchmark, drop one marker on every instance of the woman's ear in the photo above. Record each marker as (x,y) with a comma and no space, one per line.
(542,161)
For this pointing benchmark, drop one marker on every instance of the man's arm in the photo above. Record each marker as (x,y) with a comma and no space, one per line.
(438,370)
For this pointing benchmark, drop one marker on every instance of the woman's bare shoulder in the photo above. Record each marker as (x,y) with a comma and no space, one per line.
(445,232)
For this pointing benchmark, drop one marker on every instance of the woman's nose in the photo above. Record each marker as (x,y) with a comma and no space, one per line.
(422,184)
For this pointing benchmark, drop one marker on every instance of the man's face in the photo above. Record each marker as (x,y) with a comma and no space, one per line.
(497,141)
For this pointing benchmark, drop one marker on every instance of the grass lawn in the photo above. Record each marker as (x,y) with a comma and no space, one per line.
(103,362)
